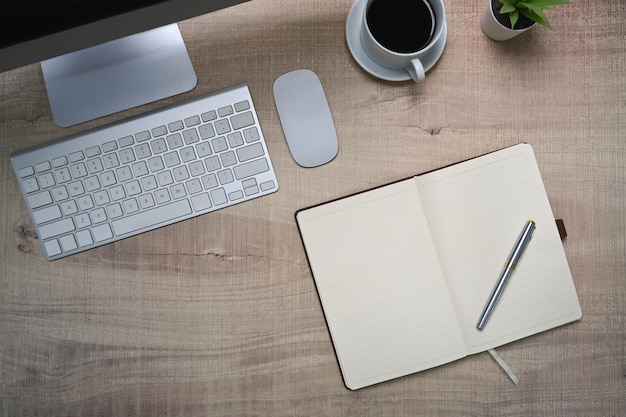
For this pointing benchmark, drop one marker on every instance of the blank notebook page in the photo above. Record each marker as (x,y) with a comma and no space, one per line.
(384,298)
(476,211)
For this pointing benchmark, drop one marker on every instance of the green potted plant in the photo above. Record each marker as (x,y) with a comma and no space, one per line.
(504,19)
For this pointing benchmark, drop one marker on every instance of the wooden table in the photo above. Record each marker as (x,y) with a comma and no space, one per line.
(218,316)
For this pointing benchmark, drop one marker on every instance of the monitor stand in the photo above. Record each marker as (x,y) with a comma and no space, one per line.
(118,75)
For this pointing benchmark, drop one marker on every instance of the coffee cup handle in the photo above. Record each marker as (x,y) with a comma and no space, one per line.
(416,70)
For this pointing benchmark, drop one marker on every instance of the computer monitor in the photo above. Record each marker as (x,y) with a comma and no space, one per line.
(100,57)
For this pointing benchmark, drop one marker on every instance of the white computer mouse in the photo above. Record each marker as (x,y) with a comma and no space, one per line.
(305,117)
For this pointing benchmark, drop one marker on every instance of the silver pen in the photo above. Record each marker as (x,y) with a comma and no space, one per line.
(509,266)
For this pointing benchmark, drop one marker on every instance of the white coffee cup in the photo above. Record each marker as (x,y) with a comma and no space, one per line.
(411,61)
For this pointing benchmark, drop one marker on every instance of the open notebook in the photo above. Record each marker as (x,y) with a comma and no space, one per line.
(403,271)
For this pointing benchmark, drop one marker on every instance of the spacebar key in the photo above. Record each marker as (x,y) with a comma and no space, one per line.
(151,218)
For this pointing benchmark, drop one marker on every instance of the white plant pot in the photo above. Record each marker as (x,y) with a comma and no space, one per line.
(494,29)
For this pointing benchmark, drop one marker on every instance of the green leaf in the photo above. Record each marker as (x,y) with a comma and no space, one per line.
(513,17)
(541,19)
(507,8)
(532,9)
(545,4)
(536,13)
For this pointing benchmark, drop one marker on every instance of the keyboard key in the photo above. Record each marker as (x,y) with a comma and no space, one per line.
(79,170)
(242,120)
(82,220)
(85,202)
(251,168)
(228,158)
(130,206)
(242,105)
(98,216)
(219,196)
(187,154)
(68,243)
(114,211)
(57,228)
(176,126)
(40,199)
(194,186)
(59,162)
(181,173)
(212,163)
(127,155)
(126,141)
(69,208)
(145,201)
(251,134)
(222,126)
(76,156)
(43,166)
(47,214)
(156,164)
(250,186)
(84,238)
(268,185)
(159,131)
(207,131)
(109,146)
(162,196)
(174,141)
(107,179)
(101,197)
(92,151)
(208,116)
(192,121)
(30,185)
(143,151)
(171,159)
(178,191)
(142,136)
(149,183)
(201,202)
(152,217)
(165,178)
(60,193)
(209,181)
(225,176)
(235,195)
(219,144)
(191,136)
(110,161)
(46,180)
(52,247)
(25,172)
(91,184)
(225,111)
(250,152)
(95,165)
(102,232)
(140,168)
(203,149)
(235,139)
(63,175)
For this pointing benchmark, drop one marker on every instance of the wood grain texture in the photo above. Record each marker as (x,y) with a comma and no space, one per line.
(218,316)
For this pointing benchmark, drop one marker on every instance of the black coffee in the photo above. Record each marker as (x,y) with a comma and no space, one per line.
(403,26)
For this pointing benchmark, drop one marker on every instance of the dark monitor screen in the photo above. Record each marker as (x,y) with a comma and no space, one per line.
(25,20)
(35,30)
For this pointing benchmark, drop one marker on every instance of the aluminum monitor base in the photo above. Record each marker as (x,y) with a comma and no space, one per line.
(118,75)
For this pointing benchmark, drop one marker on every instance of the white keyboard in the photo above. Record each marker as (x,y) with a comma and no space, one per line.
(162,167)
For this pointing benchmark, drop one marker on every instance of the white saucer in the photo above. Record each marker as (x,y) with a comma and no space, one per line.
(353,30)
